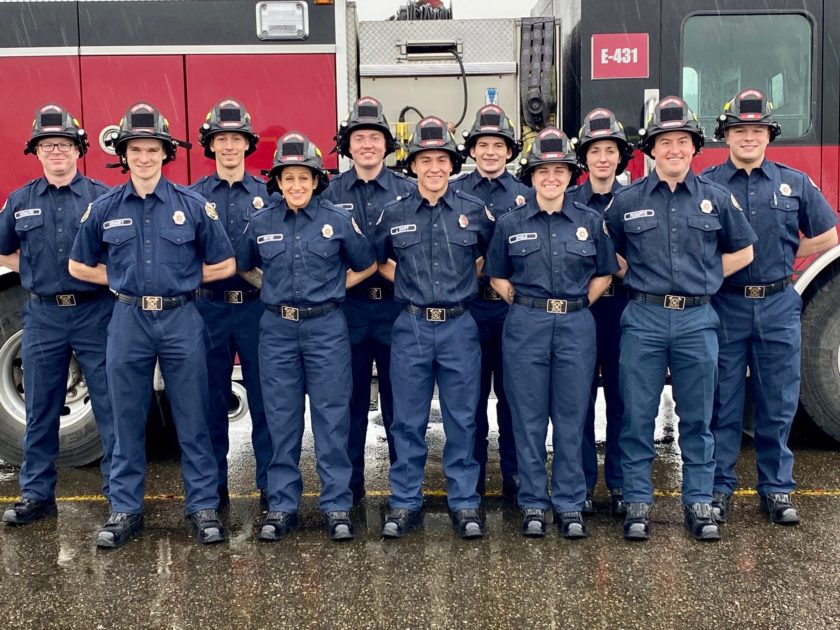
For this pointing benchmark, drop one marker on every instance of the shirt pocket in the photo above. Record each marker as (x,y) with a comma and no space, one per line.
(527,262)
(580,261)
(31,234)
(703,236)
(120,242)
(787,217)
(644,235)
(405,239)
(177,246)
(323,259)
(270,250)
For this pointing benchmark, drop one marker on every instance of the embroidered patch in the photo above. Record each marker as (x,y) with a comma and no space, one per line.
(355,226)
(581,234)
(785,190)
(210,210)
(520,199)
(179,218)
(327,231)
(735,202)
(87,213)
(638,214)
(29,212)
(346,206)
(706,206)
(463,221)
(400,229)
(813,183)
(117,223)
(258,203)
(269,238)
(606,230)
(488,213)
(523,236)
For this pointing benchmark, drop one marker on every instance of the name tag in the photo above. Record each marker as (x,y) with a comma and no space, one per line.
(346,206)
(117,223)
(268,238)
(525,236)
(638,214)
(30,212)
(400,229)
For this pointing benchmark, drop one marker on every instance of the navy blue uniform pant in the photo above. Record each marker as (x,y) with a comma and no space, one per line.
(654,339)
(234,329)
(763,335)
(424,353)
(369,323)
(311,356)
(607,313)
(51,333)
(548,363)
(175,338)
(492,379)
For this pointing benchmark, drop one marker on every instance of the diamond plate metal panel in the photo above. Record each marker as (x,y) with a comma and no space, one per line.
(483,41)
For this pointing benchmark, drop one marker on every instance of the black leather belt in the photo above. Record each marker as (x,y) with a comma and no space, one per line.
(297,313)
(230,297)
(156,302)
(69,299)
(435,313)
(554,306)
(673,302)
(756,291)
(490,294)
(616,288)
(371,293)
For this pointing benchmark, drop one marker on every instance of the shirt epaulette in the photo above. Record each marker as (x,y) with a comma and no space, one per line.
(468,197)
(583,207)
(189,193)
(328,205)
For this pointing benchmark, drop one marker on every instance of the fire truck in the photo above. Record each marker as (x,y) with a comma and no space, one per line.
(299,64)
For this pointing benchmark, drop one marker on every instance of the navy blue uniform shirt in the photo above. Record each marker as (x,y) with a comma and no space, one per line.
(152,246)
(435,247)
(550,255)
(365,201)
(585,195)
(42,220)
(673,241)
(498,194)
(779,202)
(234,204)
(304,255)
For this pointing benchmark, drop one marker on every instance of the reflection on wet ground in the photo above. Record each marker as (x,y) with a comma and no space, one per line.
(759,576)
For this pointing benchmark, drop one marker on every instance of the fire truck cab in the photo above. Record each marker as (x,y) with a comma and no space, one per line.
(301,63)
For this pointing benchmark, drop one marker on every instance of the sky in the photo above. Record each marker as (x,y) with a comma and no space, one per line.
(383,9)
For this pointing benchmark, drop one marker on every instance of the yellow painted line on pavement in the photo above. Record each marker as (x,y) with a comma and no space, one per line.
(94,498)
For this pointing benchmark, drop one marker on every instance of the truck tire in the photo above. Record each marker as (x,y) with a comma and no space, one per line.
(820,392)
(78,437)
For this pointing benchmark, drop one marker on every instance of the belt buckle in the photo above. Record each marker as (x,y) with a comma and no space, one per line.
(435,314)
(754,291)
(151,303)
(374,293)
(674,302)
(65,299)
(491,294)
(556,306)
(233,297)
(609,292)
(290,312)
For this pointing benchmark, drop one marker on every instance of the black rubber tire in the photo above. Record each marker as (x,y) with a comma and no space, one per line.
(79,442)
(820,392)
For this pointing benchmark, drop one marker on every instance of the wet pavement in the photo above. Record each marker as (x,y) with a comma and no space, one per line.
(758,576)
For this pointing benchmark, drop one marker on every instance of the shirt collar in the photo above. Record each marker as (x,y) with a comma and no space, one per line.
(730,170)
(75,185)
(380,180)
(248,182)
(309,210)
(159,191)
(504,180)
(653,181)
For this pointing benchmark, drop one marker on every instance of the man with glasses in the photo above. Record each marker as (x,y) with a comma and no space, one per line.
(63,315)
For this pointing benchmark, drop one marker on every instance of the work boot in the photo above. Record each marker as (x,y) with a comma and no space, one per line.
(29,510)
(119,529)
(278,525)
(637,521)
(206,526)
(339,527)
(468,522)
(400,521)
(570,524)
(699,521)
(721,506)
(617,505)
(533,522)
(780,509)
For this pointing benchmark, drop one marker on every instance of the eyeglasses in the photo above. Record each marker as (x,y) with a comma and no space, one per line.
(49,147)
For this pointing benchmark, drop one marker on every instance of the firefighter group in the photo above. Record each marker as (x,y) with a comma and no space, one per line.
(531,287)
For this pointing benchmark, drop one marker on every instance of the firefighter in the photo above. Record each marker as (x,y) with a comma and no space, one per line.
(160,242)
(369,307)
(231,308)
(428,242)
(63,315)
(758,307)
(550,258)
(680,235)
(492,144)
(304,245)
(603,152)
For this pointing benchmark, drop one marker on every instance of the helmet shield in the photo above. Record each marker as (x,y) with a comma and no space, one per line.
(551,146)
(227,115)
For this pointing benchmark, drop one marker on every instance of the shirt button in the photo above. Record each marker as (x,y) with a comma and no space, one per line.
(752,194)
(402,242)
(753,212)
(148,262)
(325,254)
(297,275)
(434,224)
(177,240)
(61,209)
(673,209)
(435,244)
(147,221)
(148,242)
(297,255)
(706,225)
(297,238)
(583,250)
(553,253)
(523,251)
(434,264)
(60,251)
(674,250)
(437,283)
(556,273)
(60,230)
(673,229)
(116,240)
(638,229)
(553,236)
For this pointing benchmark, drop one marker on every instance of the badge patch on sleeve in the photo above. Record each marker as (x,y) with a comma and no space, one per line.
(735,202)
(29,212)
(813,183)
(210,210)
(5,203)
(87,213)
(488,213)
(355,226)
(638,214)
(606,230)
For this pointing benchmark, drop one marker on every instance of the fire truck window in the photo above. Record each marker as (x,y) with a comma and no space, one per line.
(723,54)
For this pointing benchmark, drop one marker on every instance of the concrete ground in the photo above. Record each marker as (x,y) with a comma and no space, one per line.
(758,576)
